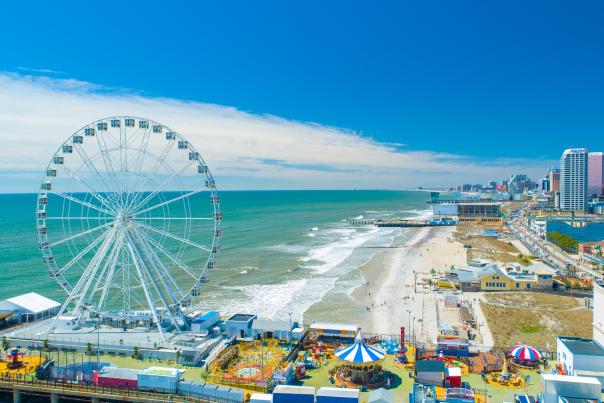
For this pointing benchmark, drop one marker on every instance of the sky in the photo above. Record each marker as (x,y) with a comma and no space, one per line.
(315,94)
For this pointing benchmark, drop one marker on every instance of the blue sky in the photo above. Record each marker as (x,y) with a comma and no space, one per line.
(482,80)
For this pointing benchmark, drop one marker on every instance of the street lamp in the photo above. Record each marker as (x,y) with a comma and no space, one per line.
(97,326)
(289,334)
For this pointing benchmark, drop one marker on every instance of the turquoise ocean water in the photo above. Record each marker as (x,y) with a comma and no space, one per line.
(282,251)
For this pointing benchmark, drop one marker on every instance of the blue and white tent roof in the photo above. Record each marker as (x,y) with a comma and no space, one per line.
(359,352)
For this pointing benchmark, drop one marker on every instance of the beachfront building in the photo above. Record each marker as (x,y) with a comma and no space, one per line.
(239,326)
(487,213)
(581,357)
(573,179)
(31,306)
(278,329)
(491,277)
(595,175)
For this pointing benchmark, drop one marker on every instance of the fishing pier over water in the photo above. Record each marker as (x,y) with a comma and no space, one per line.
(403,223)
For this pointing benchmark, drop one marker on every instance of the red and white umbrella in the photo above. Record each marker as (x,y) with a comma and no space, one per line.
(525,352)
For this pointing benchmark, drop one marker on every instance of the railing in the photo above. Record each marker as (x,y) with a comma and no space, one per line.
(71,388)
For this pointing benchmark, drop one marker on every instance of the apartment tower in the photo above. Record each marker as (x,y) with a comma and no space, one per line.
(573,179)
(595,174)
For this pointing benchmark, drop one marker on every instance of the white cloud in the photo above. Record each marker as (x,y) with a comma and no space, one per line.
(244,150)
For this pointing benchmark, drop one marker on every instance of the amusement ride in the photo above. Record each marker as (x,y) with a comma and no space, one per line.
(128,221)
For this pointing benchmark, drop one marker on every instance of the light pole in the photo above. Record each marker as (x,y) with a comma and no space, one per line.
(177,369)
(409,325)
(98,344)
(289,333)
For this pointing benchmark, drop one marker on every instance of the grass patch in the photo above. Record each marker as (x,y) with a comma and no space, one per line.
(534,318)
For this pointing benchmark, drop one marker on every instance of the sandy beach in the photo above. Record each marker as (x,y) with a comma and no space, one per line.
(390,293)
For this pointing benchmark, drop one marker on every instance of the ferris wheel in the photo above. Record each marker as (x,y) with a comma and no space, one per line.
(128,222)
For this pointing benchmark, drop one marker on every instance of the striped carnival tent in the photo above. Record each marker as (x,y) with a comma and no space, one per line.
(359,353)
(525,352)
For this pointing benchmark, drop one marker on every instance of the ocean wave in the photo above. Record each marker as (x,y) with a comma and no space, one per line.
(276,301)
(291,249)
(323,258)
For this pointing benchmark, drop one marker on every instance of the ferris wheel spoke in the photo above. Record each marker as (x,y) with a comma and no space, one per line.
(119,249)
(80,218)
(107,160)
(82,253)
(183,266)
(173,218)
(89,188)
(108,266)
(96,263)
(82,202)
(93,170)
(164,274)
(175,237)
(150,196)
(160,163)
(140,266)
(79,234)
(184,196)
(76,291)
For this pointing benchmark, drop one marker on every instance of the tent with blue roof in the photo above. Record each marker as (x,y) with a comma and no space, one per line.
(359,352)
(363,363)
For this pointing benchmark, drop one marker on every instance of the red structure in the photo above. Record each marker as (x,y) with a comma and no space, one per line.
(119,378)
(402,337)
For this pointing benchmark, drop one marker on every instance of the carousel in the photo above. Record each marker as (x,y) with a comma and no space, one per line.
(361,364)
(525,356)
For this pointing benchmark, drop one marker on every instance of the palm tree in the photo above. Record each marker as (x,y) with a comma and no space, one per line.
(5,343)
(135,352)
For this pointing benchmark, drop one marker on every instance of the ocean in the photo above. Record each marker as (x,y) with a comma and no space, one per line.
(283,252)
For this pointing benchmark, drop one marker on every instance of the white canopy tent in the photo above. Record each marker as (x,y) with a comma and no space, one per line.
(31,306)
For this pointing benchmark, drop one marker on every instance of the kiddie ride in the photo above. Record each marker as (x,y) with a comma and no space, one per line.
(14,359)
(505,378)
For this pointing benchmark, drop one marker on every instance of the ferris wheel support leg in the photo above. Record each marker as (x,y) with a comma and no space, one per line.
(164,274)
(166,279)
(98,258)
(169,307)
(145,289)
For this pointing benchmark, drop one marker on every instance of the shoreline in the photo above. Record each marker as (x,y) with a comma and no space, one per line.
(389,291)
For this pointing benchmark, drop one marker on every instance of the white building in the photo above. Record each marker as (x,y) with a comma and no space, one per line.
(31,306)
(598,320)
(559,388)
(581,357)
(573,179)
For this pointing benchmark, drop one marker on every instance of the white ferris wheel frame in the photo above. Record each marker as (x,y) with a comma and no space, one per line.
(122,230)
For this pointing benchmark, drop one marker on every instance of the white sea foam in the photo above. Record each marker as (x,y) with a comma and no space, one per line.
(275,301)
(292,249)
(325,257)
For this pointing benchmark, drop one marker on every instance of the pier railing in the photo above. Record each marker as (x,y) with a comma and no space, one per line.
(35,386)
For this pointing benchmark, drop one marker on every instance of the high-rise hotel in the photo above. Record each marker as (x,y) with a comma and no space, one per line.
(595,177)
(573,179)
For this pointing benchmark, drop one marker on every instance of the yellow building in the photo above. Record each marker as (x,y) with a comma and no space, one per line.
(510,278)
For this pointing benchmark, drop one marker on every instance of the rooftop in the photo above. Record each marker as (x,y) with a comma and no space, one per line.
(272,325)
(241,317)
(32,302)
(579,346)
(121,373)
